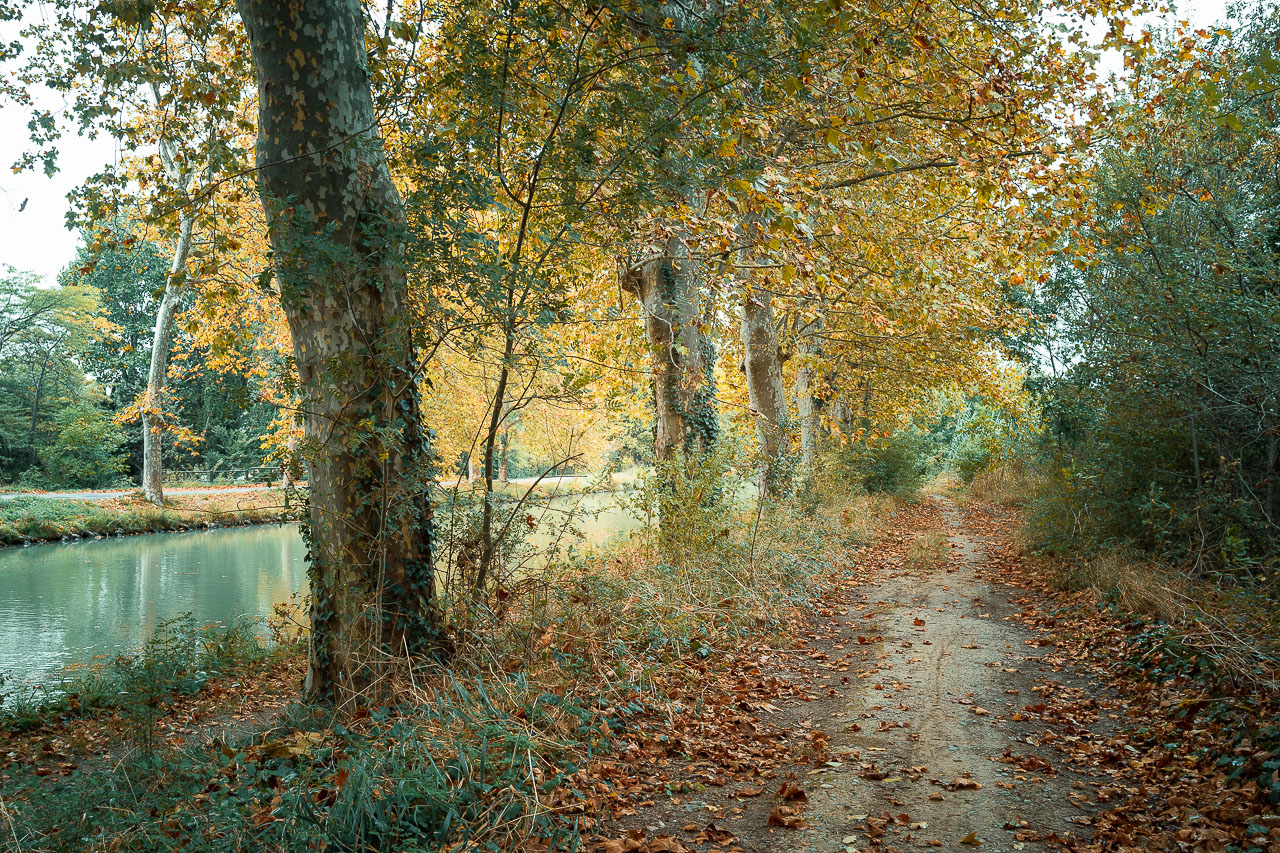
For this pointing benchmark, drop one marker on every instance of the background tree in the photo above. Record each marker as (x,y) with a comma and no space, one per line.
(1162,407)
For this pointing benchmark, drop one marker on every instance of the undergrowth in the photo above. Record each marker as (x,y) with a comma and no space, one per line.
(1184,626)
(178,659)
(1008,485)
(926,550)
(1219,628)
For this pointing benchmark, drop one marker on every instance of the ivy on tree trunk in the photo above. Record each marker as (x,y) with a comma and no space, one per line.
(681,356)
(336,224)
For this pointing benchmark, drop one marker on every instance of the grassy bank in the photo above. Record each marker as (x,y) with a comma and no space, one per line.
(1217,627)
(500,749)
(36,519)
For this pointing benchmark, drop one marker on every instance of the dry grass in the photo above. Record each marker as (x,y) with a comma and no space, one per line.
(534,683)
(1137,584)
(926,550)
(857,518)
(1011,485)
(943,484)
(1238,630)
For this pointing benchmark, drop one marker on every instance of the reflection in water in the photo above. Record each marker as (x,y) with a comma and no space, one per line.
(65,604)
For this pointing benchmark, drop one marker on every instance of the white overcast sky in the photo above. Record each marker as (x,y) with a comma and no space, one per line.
(36,238)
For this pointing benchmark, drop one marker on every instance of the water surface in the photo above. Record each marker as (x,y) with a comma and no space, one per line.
(68,604)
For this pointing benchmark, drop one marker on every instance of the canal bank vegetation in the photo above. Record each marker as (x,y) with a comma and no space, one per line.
(499,747)
(30,519)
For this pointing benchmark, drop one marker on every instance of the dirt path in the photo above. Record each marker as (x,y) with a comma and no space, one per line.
(943,723)
(921,706)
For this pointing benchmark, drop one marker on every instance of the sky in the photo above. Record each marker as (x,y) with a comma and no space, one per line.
(34,237)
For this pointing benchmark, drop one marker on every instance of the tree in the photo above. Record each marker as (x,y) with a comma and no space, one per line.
(44,335)
(762,366)
(165,82)
(87,452)
(127,272)
(1162,399)
(682,357)
(336,223)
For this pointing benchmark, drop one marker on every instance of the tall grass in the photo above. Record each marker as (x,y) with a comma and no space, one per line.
(179,659)
(1007,485)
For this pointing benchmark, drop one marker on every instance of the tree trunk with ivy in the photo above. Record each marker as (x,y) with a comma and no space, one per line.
(767,393)
(336,227)
(682,358)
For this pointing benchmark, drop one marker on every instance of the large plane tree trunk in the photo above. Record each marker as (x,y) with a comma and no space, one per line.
(336,227)
(682,358)
(767,393)
(809,350)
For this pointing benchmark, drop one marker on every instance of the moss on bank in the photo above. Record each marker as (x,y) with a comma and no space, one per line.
(36,519)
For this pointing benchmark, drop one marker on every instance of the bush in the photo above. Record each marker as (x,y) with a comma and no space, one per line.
(970,458)
(89,450)
(691,504)
(895,465)
(178,659)
(1164,423)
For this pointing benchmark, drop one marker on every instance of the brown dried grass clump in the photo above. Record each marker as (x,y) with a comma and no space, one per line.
(1009,485)
(926,550)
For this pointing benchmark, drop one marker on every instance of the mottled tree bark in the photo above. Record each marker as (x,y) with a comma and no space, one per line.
(287,464)
(766,392)
(158,371)
(157,374)
(681,356)
(809,350)
(336,227)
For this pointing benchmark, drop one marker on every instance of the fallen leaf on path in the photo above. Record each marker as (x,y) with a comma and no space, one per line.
(714,834)
(792,793)
(964,783)
(785,816)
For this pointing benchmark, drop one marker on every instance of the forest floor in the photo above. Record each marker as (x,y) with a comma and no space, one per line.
(938,704)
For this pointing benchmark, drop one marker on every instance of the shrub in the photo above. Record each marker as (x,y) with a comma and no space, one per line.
(178,659)
(895,465)
(691,504)
(88,452)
